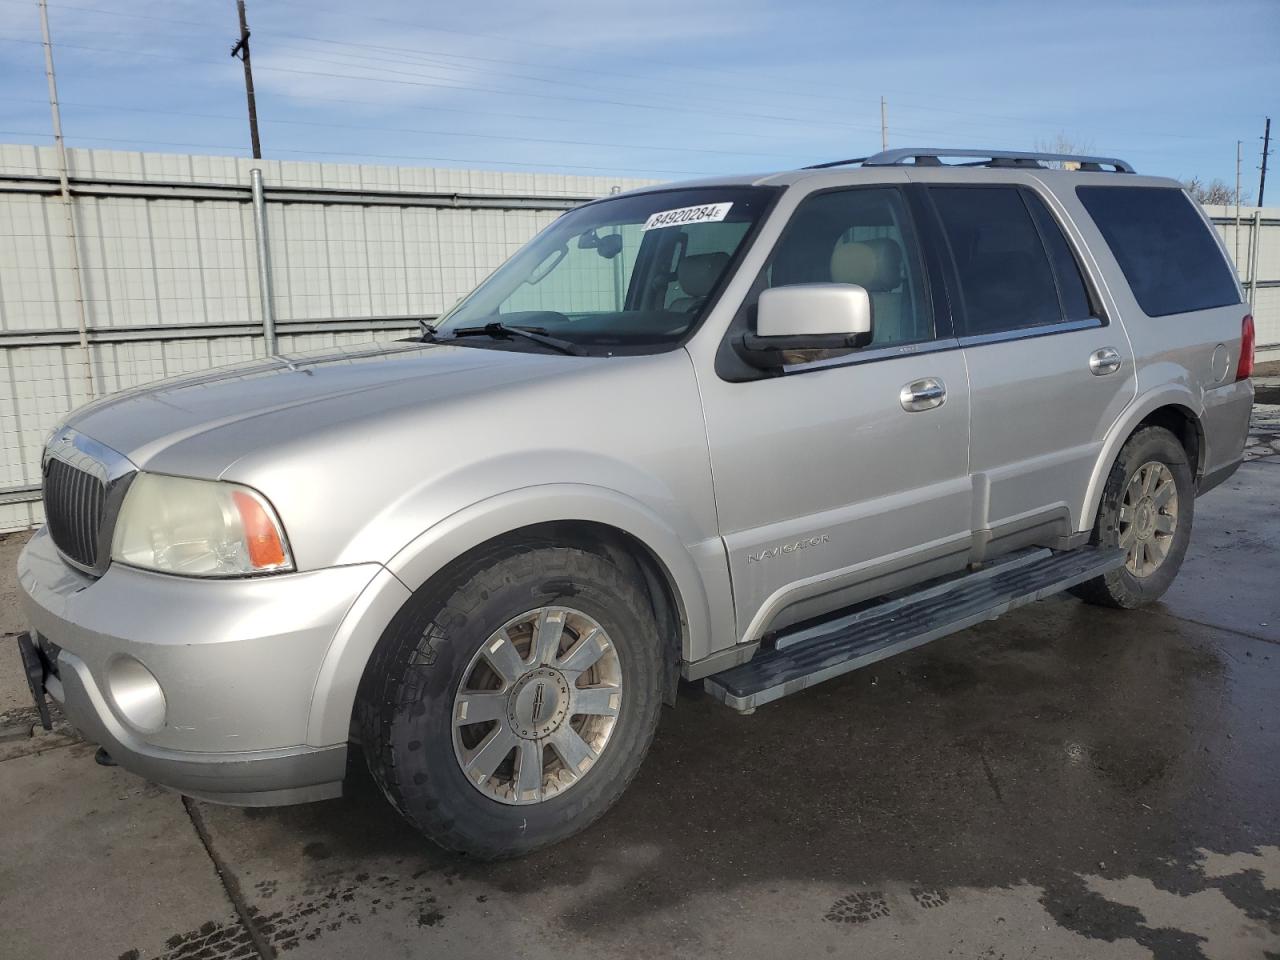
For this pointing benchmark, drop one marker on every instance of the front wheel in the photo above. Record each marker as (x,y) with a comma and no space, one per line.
(509,707)
(1146,511)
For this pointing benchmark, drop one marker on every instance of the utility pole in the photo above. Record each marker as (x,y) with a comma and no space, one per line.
(1266,149)
(884,126)
(68,207)
(241,50)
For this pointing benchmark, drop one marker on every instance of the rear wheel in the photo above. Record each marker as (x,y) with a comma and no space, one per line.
(1146,510)
(510,706)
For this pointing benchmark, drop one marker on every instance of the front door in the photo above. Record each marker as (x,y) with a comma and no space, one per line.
(847,473)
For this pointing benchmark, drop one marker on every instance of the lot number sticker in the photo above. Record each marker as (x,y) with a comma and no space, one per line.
(706,213)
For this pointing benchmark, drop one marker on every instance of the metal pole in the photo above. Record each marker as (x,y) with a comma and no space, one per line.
(1236,235)
(264,262)
(884,126)
(1255,241)
(241,49)
(68,207)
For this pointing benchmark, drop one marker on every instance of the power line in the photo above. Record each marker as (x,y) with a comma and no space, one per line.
(737,87)
(372,156)
(424,132)
(114,13)
(411,55)
(462,87)
(434,80)
(810,91)
(381,60)
(522,41)
(466,88)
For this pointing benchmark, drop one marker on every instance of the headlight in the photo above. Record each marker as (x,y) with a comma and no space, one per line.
(199,528)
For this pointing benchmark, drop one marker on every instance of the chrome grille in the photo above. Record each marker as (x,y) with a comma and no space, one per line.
(74,505)
(84,485)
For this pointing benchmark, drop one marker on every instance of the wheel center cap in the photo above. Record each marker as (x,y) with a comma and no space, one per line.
(538,703)
(1145,518)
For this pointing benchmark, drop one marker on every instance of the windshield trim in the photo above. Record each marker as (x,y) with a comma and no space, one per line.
(771,195)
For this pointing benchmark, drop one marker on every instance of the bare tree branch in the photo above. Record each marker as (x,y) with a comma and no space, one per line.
(1061,143)
(1214,192)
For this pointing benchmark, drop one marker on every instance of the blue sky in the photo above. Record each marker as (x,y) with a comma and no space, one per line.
(665,88)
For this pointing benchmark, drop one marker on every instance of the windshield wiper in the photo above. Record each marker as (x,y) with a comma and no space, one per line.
(498,331)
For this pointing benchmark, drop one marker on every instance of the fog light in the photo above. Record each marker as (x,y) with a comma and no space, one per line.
(136,694)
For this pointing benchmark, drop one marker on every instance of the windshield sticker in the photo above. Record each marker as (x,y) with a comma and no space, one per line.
(706,213)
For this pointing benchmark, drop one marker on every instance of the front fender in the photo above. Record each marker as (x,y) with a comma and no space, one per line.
(698,574)
(1171,395)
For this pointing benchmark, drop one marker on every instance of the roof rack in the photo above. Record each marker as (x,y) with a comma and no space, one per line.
(836,163)
(932,157)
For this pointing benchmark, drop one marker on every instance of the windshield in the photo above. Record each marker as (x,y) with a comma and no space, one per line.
(631,272)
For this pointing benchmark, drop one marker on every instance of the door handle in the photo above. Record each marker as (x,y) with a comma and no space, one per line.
(922,395)
(1104,361)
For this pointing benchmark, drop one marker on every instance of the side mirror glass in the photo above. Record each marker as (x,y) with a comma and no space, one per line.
(811,316)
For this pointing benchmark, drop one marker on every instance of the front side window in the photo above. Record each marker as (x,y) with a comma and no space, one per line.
(861,236)
(635,272)
(1168,255)
(1006,281)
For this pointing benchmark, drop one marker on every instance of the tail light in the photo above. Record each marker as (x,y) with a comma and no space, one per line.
(1247,336)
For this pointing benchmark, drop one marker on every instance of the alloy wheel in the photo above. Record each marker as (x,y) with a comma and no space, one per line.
(537,705)
(1148,518)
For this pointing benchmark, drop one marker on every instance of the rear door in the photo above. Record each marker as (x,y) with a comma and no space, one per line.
(1048,373)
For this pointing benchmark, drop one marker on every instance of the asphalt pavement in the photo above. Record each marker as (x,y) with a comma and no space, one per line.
(1065,782)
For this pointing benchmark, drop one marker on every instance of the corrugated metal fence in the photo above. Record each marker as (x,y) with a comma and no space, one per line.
(1255,246)
(169,279)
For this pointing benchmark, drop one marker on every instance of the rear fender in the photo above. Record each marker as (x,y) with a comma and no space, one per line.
(1172,395)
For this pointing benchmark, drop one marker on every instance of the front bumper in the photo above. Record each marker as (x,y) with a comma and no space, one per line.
(237,663)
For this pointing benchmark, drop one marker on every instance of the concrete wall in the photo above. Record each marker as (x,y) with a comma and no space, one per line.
(169,275)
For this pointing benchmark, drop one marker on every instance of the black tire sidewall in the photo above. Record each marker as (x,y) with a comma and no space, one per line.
(427,783)
(1149,444)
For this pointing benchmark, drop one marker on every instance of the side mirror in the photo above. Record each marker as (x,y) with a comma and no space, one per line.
(812,316)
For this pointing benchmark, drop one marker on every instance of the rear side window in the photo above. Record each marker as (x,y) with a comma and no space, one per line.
(1075,296)
(1166,252)
(1006,282)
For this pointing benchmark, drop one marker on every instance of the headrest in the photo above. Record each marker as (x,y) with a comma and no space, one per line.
(875,265)
(699,273)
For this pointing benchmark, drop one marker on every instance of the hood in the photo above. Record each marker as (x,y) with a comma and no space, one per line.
(304,390)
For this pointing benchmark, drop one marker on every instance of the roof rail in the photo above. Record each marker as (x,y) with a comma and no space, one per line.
(931,157)
(835,163)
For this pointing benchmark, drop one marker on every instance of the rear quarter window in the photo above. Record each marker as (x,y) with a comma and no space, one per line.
(1167,253)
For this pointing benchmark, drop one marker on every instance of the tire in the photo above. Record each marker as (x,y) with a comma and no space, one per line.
(1132,515)
(447,640)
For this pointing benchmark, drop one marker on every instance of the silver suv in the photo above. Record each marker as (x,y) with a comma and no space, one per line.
(756,432)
